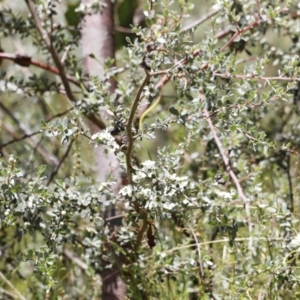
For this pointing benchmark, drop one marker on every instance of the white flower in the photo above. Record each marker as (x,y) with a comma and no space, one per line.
(225,195)
(149,165)
(103,135)
(126,191)
(182,181)
(105,138)
(146,193)
(30,201)
(169,192)
(295,243)
(169,206)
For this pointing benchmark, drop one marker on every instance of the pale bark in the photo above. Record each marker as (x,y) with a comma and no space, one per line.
(98,39)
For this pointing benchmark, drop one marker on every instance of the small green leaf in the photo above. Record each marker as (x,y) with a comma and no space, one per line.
(64,140)
(174,111)
(43,124)
(41,170)
(4,187)
(68,132)
(182,119)
(189,96)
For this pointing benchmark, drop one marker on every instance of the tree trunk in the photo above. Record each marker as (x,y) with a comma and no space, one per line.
(98,39)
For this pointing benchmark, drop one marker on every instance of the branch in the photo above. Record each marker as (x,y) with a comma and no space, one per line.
(199,252)
(162,82)
(32,140)
(200,21)
(55,171)
(229,170)
(52,51)
(184,61)
(76,260)
(128,157)
(58,63)
(141,232)
(123,29)
(288,171)
(11,286)
(18,139)
(240,32)
(129,127)
(258,77)
(25,61)
(28,135)
(11,295)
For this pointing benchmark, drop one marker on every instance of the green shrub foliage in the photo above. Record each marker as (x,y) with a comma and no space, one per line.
(205,125)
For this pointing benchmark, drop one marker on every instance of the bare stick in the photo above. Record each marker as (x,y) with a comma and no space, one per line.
(18,139)
(288,172)
(240,32)
(57,167)
(129,126)
(58,63)
(76,260)
(141,232)
(258,77)
(199,251)
(200,21)
(51,50)
(26,61)
(11,286)
(228,169)
(128,157)
(32,140)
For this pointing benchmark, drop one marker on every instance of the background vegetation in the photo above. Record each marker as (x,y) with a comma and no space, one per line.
(196,114)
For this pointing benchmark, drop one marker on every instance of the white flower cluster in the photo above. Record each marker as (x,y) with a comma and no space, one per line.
(295,242)
(126,191)
(105,138)
(157,187)
(88,7)
(148,168)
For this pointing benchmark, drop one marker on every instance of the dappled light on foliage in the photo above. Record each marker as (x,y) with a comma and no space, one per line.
(163,166)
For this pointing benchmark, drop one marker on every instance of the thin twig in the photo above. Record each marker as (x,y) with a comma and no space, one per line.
(23,137)
(258,77)
(129,126)
(26,61)
(28,135)
(141,232)
(250,137)
(199,252)
(32,141)
(258,8)
(65,54)
(128,157)
(51,50)
(200,21)
(221,34)
(61,69)
(240,32)
(288,171)
(11,286)
(55,171)
(76,260)
(123,29)
(13,296)
(229,169)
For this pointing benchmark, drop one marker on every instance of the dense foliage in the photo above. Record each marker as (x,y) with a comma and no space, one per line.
(205,124)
